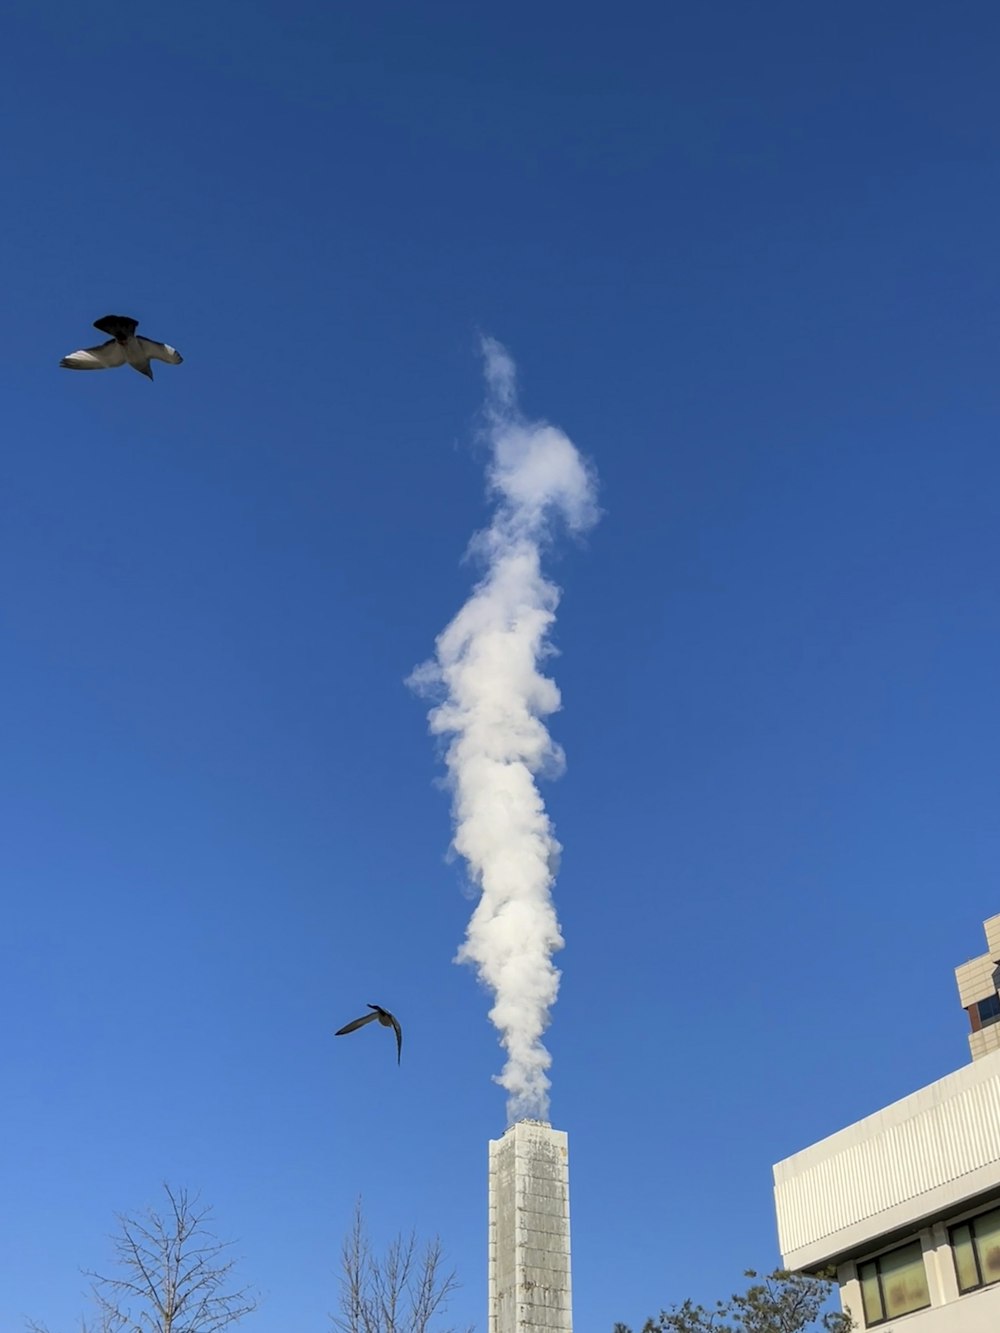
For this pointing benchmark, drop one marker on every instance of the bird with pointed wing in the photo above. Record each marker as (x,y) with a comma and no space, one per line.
(385,1018)
(124,348)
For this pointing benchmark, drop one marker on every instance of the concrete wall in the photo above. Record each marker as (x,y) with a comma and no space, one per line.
(909,1172)
(979,979)
(530,1289)
(975,1312)
(924,1155)
(978,1313)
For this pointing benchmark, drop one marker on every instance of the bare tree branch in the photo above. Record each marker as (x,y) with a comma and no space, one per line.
(402,1292)
(172,1269)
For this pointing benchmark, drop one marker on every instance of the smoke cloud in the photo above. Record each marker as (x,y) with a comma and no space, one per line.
(493,699)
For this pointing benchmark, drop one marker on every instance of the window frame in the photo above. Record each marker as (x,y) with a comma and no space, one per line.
(970,1223)
(876,1261)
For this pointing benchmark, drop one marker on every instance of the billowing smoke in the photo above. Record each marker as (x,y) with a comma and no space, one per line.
(493,701)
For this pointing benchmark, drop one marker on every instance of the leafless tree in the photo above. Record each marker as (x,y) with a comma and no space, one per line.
(172,1275)
(402,1291)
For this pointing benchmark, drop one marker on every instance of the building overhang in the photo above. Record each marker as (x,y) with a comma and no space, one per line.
(922,1158)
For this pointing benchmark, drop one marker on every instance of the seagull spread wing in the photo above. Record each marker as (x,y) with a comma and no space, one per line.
(160,351)
(118,326)
(105,357)
(399,1037)
(358,1023)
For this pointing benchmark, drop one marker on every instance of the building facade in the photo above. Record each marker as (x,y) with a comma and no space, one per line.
(905,1204)
(979,990)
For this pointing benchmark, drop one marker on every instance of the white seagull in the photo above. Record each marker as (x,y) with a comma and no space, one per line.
(123,348)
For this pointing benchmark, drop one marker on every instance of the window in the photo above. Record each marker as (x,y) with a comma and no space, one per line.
(989,1009)
(894,1284)
(976,1246)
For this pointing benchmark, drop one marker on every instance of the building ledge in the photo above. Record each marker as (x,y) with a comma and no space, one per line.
(919,1158)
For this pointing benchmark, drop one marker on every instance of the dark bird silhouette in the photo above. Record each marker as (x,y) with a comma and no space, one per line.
(385,1018)
(125,348)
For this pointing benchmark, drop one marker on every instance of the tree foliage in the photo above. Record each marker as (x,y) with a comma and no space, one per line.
(781,1302)
(402,1291)
(172,1275)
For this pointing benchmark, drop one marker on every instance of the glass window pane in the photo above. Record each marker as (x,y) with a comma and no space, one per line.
(965,1260)
(904,1281)
(987,1232)
(870,1298)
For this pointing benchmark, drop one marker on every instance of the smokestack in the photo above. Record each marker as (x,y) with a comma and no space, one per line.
(529,1256)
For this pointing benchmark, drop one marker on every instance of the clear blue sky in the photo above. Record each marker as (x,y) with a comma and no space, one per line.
(746,257)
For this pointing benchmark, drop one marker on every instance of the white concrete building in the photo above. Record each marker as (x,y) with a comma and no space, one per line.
(529,1256)
(905,1204)
(978,987)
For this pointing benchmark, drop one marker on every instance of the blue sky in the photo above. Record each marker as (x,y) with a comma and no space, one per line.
(746,259)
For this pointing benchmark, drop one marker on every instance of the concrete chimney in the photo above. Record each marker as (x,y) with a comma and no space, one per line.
(529,1256)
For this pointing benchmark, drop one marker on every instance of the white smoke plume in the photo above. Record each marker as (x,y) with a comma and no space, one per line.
(493,700)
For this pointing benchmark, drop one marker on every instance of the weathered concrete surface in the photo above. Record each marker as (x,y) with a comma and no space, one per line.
(530,1289)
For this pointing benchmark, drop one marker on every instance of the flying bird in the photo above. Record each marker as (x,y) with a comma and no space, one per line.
(385,1018)
(123,348)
